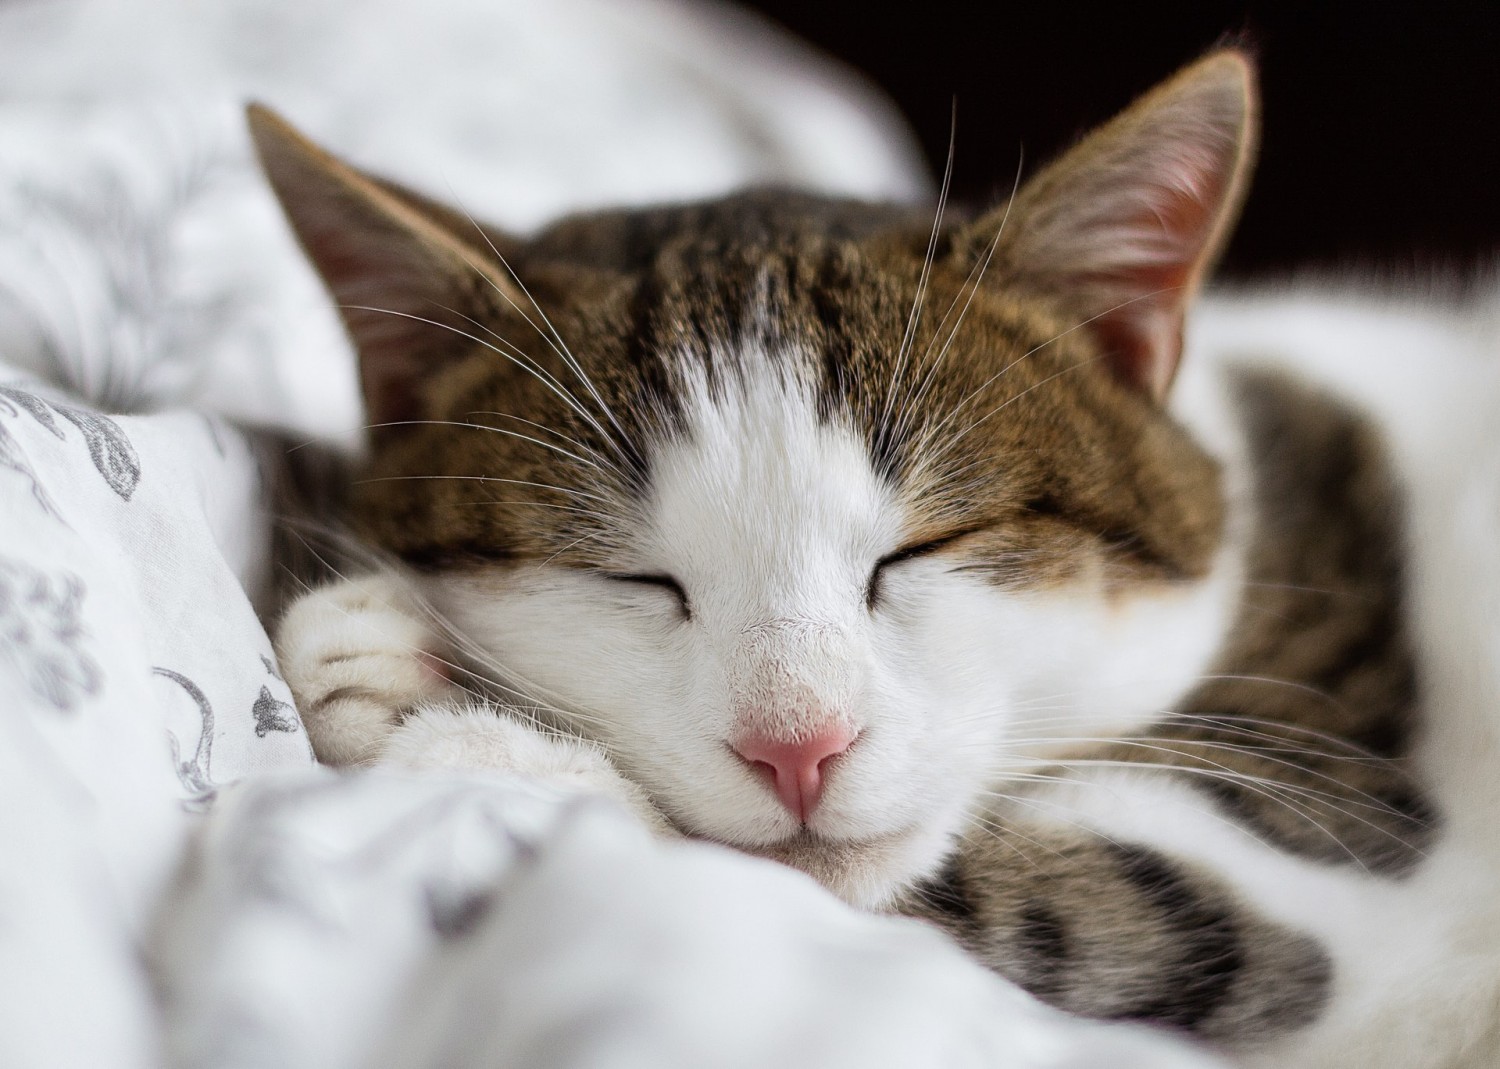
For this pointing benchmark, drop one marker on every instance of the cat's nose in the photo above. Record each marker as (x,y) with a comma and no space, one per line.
(796,768)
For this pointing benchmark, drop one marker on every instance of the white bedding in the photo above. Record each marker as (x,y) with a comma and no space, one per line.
(179,884)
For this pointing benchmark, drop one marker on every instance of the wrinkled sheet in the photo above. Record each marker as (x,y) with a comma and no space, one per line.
(180,885)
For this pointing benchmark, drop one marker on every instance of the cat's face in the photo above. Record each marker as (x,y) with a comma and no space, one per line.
(818,518)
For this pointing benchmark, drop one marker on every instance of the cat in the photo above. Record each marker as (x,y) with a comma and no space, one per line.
(885,547)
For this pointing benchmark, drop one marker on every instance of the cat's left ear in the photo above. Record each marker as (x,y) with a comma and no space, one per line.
(411,278)
(1126,224)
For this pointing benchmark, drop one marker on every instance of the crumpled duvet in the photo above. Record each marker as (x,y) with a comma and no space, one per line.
(180,884)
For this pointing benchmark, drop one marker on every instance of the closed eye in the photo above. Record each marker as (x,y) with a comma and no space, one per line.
(663,582)
(906,553)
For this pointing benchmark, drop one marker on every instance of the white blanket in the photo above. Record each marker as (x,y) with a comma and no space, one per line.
(179,884)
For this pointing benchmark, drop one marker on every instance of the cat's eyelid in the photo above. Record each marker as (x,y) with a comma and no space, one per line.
(656,579)
(923,548)
(909,552)
(645,578)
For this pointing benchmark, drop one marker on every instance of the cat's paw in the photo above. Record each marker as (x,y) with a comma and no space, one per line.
(483,738)
(359,656)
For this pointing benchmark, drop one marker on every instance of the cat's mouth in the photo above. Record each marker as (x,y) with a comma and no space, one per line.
(867,872)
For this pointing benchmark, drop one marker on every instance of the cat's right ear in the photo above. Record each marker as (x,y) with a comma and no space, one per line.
(410,277)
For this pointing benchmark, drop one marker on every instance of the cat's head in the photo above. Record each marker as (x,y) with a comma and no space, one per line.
(817,516)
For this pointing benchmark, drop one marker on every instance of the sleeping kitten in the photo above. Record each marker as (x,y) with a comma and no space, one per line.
(867,543)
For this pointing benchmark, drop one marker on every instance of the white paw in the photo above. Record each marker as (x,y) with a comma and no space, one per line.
(484,738)
(358,656)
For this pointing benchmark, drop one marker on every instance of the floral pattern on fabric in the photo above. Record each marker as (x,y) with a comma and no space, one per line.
(42,638)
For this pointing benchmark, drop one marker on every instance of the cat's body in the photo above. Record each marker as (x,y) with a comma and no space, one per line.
(870,548)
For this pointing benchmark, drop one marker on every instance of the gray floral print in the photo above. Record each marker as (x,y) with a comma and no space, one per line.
(109,448)
(192,772)
(42,637)
(112,454)
(272,714)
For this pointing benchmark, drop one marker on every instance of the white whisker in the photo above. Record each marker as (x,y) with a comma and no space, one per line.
(526,365)
(923,276)
(561,347)
(914,402)
(482,479)
(487,428)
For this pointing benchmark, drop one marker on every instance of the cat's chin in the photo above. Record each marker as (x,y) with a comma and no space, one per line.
(868,873)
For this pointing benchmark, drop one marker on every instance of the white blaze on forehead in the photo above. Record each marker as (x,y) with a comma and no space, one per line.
(762,504)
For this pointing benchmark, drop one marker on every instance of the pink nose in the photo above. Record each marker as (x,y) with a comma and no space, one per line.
(797,767)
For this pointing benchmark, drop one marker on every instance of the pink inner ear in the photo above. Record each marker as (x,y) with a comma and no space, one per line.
(1142,349)
(386,286)
(1142,338)
(1185,209)
(388,400)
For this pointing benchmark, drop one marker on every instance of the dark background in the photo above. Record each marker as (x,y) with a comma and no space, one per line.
(1381,147)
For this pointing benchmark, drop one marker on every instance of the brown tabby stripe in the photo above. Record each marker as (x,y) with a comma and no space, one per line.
(1123,933)
(1302,734)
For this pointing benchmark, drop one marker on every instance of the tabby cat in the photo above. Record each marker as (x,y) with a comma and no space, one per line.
(875,545)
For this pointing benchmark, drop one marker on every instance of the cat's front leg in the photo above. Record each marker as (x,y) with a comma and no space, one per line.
(477,736)
(1122,931)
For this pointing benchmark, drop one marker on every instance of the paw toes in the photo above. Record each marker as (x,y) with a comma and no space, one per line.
(349,725)
(358,656)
